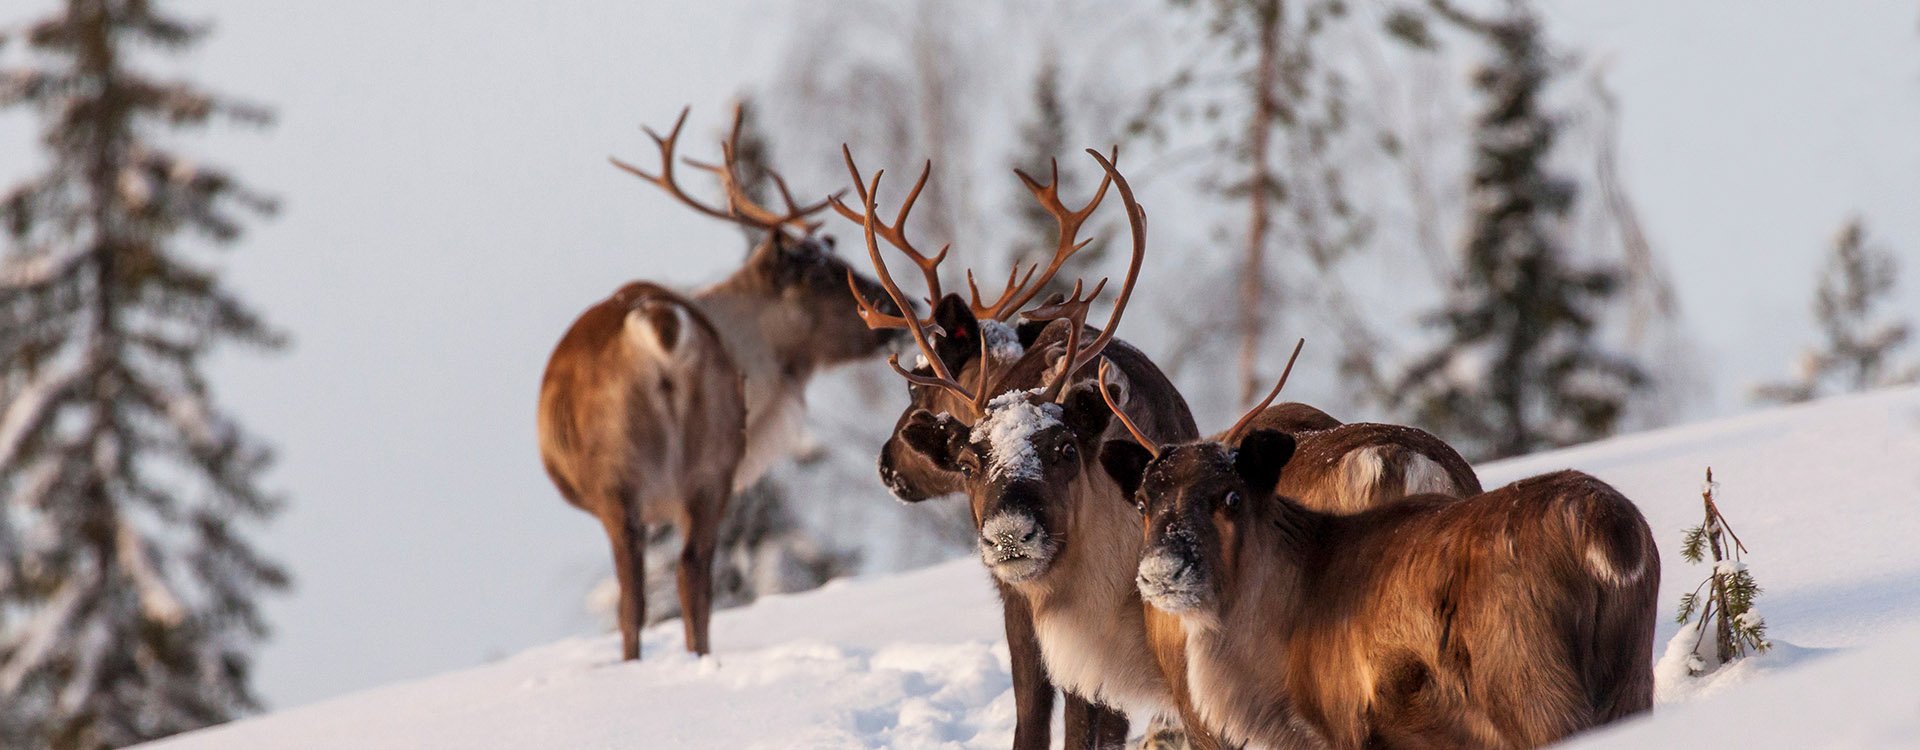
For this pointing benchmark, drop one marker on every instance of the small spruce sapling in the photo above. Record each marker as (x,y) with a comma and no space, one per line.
(1729,626)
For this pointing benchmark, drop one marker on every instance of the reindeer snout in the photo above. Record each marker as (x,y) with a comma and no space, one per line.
(1170,581)
(1010,534)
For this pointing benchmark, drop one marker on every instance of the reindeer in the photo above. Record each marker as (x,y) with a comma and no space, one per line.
(1019,442)
(657,406)
(1343,468)
(1508,619)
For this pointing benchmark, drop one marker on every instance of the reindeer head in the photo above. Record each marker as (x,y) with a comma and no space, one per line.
(1194,499)
(808,319)
(1022,463)
(907,472)
(794,276)
(1021,456)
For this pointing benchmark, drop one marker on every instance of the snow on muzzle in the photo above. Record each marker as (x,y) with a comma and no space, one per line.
(1170,580)
(1014,546)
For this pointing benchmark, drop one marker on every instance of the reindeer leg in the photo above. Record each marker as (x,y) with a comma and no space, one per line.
(696,565)
(629,539)
(1032,692)
(1091,726)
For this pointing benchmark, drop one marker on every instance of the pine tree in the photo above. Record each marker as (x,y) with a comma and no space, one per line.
(1521,367)
(1730,591)
(126,587)
(1861,341)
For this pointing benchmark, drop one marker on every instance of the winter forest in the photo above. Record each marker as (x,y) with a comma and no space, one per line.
(917,360)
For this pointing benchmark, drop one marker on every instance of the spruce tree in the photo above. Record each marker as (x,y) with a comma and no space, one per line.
(1861,341)
(1729,625)
(127,587)
(1521,366)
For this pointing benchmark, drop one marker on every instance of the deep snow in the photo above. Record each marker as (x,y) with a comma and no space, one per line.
(1824,495)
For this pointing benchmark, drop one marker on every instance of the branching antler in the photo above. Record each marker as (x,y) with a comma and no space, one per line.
(919,329)
(739,208)
(1074,307)
(896,235)
(1239,428)
(999,310)
(1070,221)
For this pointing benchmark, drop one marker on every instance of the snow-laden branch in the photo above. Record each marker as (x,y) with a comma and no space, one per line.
(30,409)
(157,599)
(33,642)
(41,269)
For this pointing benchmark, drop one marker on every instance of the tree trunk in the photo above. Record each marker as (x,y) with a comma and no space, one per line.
(1253,273)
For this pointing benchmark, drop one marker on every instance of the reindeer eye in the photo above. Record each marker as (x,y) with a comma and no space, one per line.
(1232,499)
(1140,504)
(1067,451)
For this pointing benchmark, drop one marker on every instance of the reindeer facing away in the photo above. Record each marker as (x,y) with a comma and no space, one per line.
(1509,619)
(657,406)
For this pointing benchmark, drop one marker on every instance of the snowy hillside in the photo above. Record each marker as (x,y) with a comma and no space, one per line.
(1826,496)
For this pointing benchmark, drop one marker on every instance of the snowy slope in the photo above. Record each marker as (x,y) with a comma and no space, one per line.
(1823,494)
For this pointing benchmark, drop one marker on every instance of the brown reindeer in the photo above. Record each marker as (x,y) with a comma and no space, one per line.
(1017,442)
(657,406)
(1340,468)
(1509,619)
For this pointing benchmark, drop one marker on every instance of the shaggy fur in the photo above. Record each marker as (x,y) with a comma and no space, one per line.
(1510,619)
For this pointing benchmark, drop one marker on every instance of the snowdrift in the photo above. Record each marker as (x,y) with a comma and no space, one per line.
(1826,496)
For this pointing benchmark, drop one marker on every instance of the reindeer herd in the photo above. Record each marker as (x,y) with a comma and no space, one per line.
(1290,582)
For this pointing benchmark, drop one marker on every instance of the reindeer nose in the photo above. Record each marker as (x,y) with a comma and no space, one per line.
(1163,567)
(1009,532)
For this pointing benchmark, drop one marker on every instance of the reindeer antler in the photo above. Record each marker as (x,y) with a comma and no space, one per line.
(1153,448)
(740,208)
(872,229)
(1070,221)
(1075,307)
(1235,432)
(896,235)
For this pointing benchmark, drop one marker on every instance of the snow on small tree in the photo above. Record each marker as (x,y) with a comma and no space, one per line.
(1861,340)
(1729,626)
(127,586)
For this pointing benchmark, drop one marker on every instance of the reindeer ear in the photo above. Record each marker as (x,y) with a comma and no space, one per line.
(1126,461)
(1261,456)
(1086,413)
(962,342)
(933,437)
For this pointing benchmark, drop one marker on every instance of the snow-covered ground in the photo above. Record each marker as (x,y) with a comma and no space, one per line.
(1826,497)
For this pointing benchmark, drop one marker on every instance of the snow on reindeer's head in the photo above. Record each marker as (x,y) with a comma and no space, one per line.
(1021,462)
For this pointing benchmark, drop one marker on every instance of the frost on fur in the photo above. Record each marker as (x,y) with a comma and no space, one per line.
(1729,626)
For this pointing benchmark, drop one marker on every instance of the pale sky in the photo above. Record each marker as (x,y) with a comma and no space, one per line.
(448,210)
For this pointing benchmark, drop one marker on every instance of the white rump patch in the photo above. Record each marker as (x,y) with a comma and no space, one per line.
(1011,421)
(644,336)
(1361,476)
(1603,568)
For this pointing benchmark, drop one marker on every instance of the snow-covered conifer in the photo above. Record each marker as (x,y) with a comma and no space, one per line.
(1521,365)
(127,586)
(1860,340)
